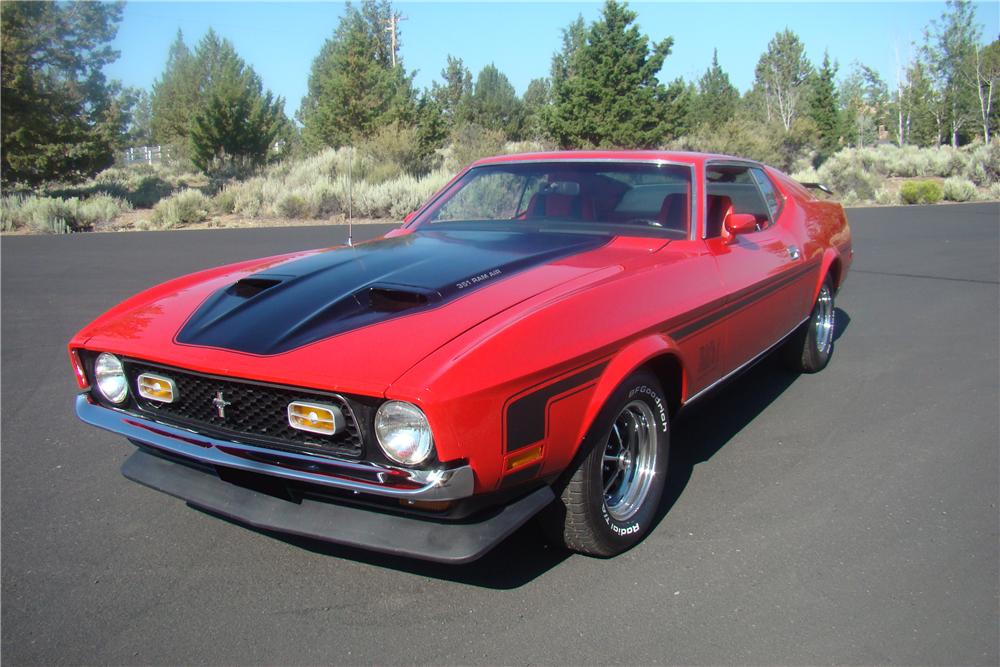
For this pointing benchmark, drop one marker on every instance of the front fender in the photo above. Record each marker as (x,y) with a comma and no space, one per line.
(624,363)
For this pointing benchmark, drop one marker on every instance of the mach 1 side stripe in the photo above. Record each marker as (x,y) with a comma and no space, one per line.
(525,415)
(761,291)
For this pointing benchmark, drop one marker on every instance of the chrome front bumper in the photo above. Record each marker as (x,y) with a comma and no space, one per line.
(356,476)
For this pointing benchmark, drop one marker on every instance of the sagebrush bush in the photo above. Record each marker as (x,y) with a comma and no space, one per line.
(472,142)
(848,174)
(224,168)
(957,188)
(291,205)
(393,151)
(885,197)
(185,207)
(141,185)
(50,214)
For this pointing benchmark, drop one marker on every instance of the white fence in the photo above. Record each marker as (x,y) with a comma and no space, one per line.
(147,154)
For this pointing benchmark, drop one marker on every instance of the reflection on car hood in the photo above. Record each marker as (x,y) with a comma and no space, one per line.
(310,299)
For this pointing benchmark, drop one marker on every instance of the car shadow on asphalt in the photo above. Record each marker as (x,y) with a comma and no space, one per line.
(706,427)
(519,559)
(697,436)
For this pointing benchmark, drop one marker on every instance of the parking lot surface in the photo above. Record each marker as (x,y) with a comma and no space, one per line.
(848,517)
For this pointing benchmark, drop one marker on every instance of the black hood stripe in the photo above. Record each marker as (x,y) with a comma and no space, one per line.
(347,288)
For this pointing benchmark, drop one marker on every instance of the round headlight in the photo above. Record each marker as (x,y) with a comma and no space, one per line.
(404,433)
(110,377)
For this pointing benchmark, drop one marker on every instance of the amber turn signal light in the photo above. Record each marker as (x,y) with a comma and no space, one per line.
(157,388)
(316,418)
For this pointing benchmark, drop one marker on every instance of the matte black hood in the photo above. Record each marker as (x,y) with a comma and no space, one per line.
(323,295)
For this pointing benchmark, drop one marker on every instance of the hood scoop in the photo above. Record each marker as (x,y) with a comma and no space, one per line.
(350,288)
(250,287)
(395,298)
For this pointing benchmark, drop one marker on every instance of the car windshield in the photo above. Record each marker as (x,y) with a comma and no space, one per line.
(596,197)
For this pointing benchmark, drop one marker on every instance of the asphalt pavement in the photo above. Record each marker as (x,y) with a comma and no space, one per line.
(848,517)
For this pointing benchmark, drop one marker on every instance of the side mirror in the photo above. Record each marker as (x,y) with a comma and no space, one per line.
(741,223)
(409,216)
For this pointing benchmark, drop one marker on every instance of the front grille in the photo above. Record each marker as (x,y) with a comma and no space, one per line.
(256,413)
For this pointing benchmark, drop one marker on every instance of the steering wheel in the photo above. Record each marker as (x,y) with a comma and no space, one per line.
(644,221)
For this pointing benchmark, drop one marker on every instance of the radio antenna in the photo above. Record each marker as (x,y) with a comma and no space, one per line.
(350,197)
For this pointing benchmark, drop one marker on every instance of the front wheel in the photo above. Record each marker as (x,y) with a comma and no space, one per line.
(809,349)
(612,496)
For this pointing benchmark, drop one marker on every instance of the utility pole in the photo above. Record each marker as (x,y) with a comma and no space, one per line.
(393,19)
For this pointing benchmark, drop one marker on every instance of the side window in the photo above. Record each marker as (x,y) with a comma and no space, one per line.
(732,188)
(770,194)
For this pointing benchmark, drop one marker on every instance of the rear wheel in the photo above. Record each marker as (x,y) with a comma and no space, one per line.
(809,349)
(612,496)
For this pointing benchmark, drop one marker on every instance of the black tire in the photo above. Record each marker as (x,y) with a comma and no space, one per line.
(810,347)
(610,498)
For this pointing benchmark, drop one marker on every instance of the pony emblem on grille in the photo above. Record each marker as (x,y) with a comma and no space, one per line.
(220,404)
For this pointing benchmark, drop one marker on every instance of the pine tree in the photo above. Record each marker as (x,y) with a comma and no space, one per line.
(605,91)
(823,108)
(494,104)
(457,86)
(717,97)
(177,95)
(61,118)
(432,123)
(237,118)
(357,83)
(536,100)
(920,102)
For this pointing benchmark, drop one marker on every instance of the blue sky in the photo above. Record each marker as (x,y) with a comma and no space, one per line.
(280,39)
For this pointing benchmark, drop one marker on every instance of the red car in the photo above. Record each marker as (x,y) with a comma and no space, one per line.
(518,348)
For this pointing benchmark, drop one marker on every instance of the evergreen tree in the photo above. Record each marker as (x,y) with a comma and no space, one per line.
(357,83)
(536,100)
(432,123)
(237,119)
(139,132)
(177,96)
(574,37)
(61,118)
(921,104)
(494,104)
(456,88)
(605,91)
(717,97)
(782,73)
(823,108)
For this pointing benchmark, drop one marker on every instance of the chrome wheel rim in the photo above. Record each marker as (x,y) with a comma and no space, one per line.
(629,463)
(823,320)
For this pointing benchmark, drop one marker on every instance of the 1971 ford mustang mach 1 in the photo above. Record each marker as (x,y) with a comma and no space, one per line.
(518,347)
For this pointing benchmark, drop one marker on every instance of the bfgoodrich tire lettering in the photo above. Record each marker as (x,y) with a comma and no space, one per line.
(612,495)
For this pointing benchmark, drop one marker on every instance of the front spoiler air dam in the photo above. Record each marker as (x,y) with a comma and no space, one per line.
(360,477)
